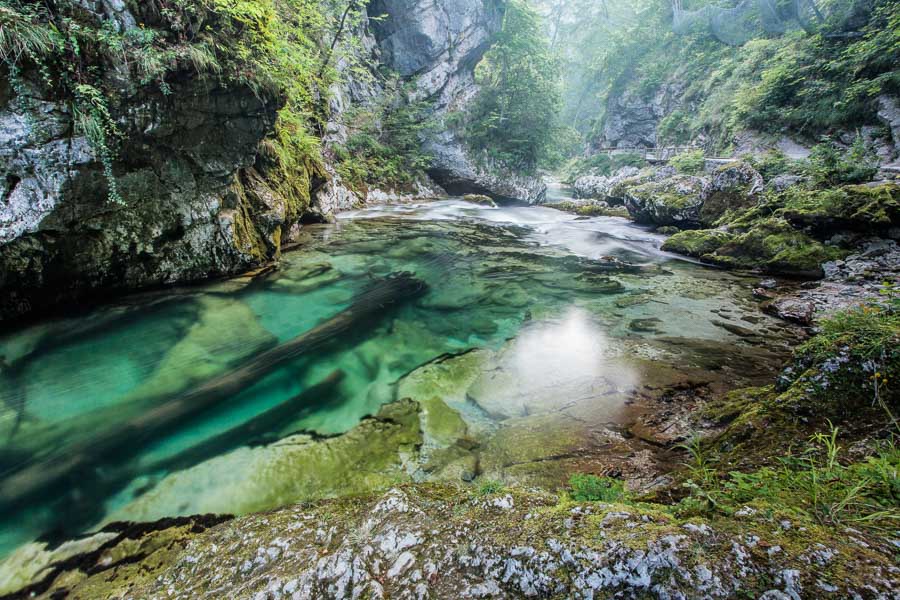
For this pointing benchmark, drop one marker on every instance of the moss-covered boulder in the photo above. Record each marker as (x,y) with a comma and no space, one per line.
(674,201)
(734,187)
(842,377)
(864,208)
(769,244)
(698,242)
(772,245)
(591,209)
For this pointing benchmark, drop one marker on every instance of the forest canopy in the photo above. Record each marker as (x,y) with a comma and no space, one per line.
(514,117)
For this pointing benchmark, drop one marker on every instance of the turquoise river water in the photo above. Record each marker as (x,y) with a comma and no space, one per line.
(529,329)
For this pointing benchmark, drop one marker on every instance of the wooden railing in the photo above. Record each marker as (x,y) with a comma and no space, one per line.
(659,155)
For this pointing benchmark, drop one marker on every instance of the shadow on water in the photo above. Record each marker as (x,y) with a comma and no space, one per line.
(81,474)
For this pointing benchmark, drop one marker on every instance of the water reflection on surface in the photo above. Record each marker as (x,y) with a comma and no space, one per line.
(529,352)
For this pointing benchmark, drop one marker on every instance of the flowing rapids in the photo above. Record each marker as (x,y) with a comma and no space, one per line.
(439,341)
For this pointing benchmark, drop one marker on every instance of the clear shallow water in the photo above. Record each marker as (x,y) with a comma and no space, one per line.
(562,335)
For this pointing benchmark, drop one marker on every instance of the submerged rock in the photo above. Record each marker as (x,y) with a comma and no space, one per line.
(298,467)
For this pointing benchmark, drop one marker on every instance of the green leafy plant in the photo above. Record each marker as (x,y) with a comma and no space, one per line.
(690,163)
(772,164)
(490,487)
(830,165)
(591,488)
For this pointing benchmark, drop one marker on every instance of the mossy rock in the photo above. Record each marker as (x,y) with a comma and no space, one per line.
(591,209)
(735,187)
(841,377)
(857,207)
(674,201)
(770,244)
(509,540)
(697,243)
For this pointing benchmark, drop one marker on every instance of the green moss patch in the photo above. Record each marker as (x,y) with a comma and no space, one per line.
(857,207)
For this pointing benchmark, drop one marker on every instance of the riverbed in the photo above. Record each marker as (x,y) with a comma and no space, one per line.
(533,345)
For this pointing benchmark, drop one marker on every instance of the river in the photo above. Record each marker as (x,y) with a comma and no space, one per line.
(537,344)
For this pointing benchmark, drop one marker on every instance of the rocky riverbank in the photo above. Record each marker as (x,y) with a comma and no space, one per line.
(445,542)
(180,162)
(844,236)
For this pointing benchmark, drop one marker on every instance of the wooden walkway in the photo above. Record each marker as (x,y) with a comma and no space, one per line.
(661,155)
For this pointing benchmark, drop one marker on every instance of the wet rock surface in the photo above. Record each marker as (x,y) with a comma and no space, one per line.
(442,542)
(188,193)
(859,278)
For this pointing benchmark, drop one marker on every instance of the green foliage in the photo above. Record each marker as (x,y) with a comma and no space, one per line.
(489,487)
(602,164)
(280,48)
(590,488)
(92,119)
(829,165)
(814,483)
(25,32)
(772,164)
(689,163)
(674,128)
(809,84)
(385,144)
(513,118)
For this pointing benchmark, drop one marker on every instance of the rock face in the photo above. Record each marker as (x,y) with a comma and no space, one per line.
(633,117)
(677,201)
(193,205)
(437,45)
(889,114)
(192,167)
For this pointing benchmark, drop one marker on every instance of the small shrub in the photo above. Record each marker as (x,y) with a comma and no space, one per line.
(674,128)
(772,164)
(829,165)
(689,163)
(590,488)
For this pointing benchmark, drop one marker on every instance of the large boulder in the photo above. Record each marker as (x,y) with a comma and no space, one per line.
(734,186)
(676,201)
(597,187)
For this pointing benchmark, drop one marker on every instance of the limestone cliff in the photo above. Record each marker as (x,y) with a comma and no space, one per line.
(436,45)
(192,204)
(194,168)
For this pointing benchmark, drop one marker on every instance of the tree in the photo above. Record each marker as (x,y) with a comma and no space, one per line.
(514,115)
